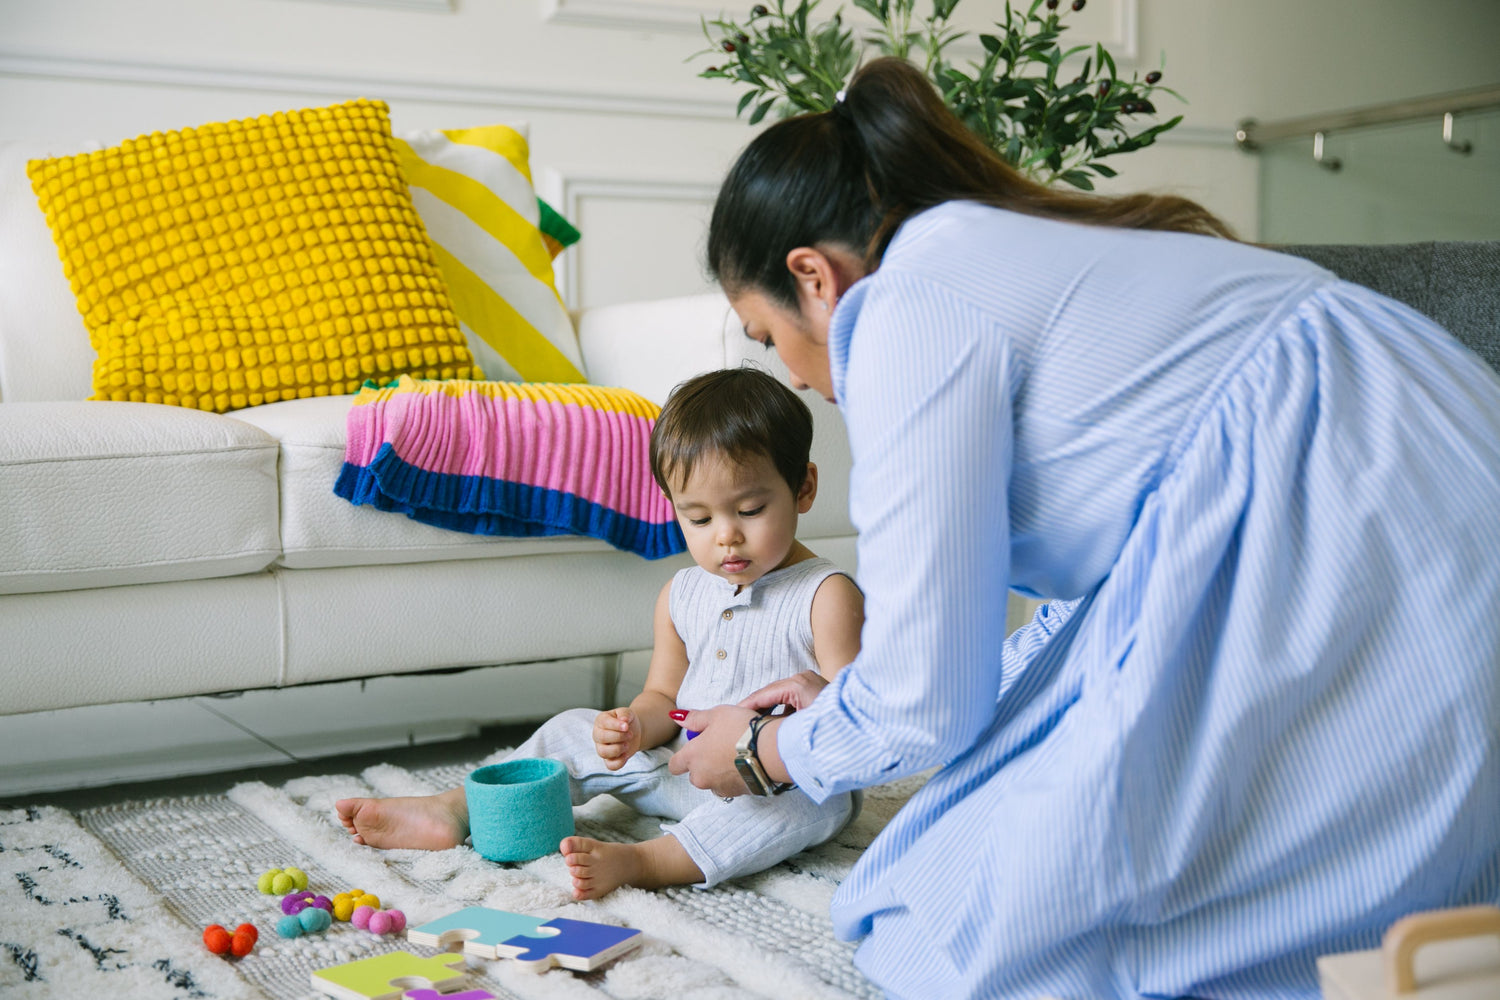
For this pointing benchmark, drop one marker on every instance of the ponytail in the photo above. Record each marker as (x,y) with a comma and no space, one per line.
(889,150)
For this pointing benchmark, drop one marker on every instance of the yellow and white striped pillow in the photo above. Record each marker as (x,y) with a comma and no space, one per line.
(472,188)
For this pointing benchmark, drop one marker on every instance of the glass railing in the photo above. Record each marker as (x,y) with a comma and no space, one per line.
(1355,178)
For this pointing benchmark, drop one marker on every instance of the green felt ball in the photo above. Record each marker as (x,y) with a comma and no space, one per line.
(282,883)
(264,882)
(299,878)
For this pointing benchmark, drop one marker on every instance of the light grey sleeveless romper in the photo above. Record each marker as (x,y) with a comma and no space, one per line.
(736,643)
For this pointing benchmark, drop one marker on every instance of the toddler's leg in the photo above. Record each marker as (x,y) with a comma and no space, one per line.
(751,833)
(437,822)
(599,867)
(425,822)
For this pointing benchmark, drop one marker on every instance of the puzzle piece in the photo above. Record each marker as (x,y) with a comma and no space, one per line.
(388,976)
(479,928)
(581,945)
(536,944)
(435,995)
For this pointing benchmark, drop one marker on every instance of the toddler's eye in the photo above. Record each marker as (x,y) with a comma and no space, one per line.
(697,522)
(752,513)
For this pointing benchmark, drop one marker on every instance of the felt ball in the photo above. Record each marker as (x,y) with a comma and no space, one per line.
(298,877)
(361,917)
(398,921)
(289,927)
(380,922)
(323,903)
(245,936)
(264,882)
(295,902)
(216,939)
(281,883)
(314,919)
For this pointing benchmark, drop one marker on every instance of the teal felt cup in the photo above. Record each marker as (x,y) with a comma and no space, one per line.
(518,809)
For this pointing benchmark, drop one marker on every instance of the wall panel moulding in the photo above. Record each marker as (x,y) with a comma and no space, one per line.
(1112,22)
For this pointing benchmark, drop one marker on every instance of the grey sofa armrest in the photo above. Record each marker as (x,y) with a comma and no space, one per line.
(1456,283)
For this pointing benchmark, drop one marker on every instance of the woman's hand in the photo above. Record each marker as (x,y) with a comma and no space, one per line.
(617,736)
(708,759)
(796,691)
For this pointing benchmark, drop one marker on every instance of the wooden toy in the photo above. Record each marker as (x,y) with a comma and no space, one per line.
(1460,960)
(388,976)
(537,944)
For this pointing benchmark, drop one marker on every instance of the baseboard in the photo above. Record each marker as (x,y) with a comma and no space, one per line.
(100,745)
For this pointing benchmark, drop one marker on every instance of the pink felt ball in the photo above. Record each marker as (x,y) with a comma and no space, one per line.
(398,921)
(380,922)
(361,917)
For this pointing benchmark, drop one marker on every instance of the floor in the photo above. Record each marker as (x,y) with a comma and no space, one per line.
(98,754)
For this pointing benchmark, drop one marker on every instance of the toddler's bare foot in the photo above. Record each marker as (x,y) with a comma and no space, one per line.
(599,868)
(424,822)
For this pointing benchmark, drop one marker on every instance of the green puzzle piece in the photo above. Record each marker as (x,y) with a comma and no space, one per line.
(375,978)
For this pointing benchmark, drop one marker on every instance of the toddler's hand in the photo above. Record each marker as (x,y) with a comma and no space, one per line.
(617,736)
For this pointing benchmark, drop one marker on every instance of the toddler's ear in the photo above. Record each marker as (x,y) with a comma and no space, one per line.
(809,490)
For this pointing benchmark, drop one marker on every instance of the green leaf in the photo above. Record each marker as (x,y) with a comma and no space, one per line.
(1102,170)
(1078,179)
(760,111)
(744,103)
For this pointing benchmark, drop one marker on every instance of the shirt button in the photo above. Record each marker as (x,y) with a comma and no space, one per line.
(728,613)
(721,654)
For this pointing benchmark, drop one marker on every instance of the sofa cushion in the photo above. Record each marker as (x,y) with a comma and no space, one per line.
(44,348)
(251,261)
(473,190)
(321,530)
(123,493)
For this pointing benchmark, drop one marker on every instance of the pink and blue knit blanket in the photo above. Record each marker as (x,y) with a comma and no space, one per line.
(511,458)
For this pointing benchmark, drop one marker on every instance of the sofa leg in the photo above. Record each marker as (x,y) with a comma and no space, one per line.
(611,681)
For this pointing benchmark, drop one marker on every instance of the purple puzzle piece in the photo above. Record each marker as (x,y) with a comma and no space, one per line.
(580,945)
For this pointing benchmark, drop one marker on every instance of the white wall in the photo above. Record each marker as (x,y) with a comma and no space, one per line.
(625,138)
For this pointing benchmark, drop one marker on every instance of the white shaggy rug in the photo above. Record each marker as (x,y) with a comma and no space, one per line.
(113,901)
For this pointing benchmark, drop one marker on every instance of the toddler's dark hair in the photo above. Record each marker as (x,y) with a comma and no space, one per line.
(735,412)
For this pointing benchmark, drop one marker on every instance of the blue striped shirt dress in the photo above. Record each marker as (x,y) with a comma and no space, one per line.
(1261,719)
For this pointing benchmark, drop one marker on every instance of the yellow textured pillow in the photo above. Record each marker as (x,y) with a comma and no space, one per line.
(251,261)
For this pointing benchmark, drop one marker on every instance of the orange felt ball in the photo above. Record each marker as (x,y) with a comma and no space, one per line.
(245,936)
(216,939)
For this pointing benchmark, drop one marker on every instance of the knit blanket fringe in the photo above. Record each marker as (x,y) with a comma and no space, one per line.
(511,458)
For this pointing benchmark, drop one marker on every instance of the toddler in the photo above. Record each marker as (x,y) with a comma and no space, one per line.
(730,450)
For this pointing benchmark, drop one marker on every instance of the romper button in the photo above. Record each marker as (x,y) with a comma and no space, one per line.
(721,654)
(728,614)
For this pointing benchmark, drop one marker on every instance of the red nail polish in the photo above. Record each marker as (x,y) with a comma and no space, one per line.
(677,715)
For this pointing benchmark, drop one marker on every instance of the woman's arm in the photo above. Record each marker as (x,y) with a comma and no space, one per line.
(927,399)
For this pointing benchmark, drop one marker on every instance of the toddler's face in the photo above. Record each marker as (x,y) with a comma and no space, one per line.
(739,518)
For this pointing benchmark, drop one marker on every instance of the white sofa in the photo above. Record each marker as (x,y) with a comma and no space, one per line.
(151,552)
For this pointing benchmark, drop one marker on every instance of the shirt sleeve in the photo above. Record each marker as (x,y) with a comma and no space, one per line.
(927,401)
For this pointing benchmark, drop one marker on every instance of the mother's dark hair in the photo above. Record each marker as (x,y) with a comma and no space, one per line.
(853,175)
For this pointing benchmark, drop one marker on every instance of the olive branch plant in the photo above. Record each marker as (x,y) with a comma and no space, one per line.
(1047,121)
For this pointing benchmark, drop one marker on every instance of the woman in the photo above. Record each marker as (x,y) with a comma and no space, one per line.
(1261,723)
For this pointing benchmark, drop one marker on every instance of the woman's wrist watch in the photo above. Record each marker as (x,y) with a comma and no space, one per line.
(747,762)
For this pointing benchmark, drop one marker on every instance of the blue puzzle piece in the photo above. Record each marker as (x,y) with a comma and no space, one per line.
(580,945)
(480,929)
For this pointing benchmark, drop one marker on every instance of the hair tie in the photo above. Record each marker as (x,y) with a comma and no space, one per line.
(840,107)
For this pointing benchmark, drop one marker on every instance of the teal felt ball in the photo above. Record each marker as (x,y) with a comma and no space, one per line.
(314,919)
(290,927)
